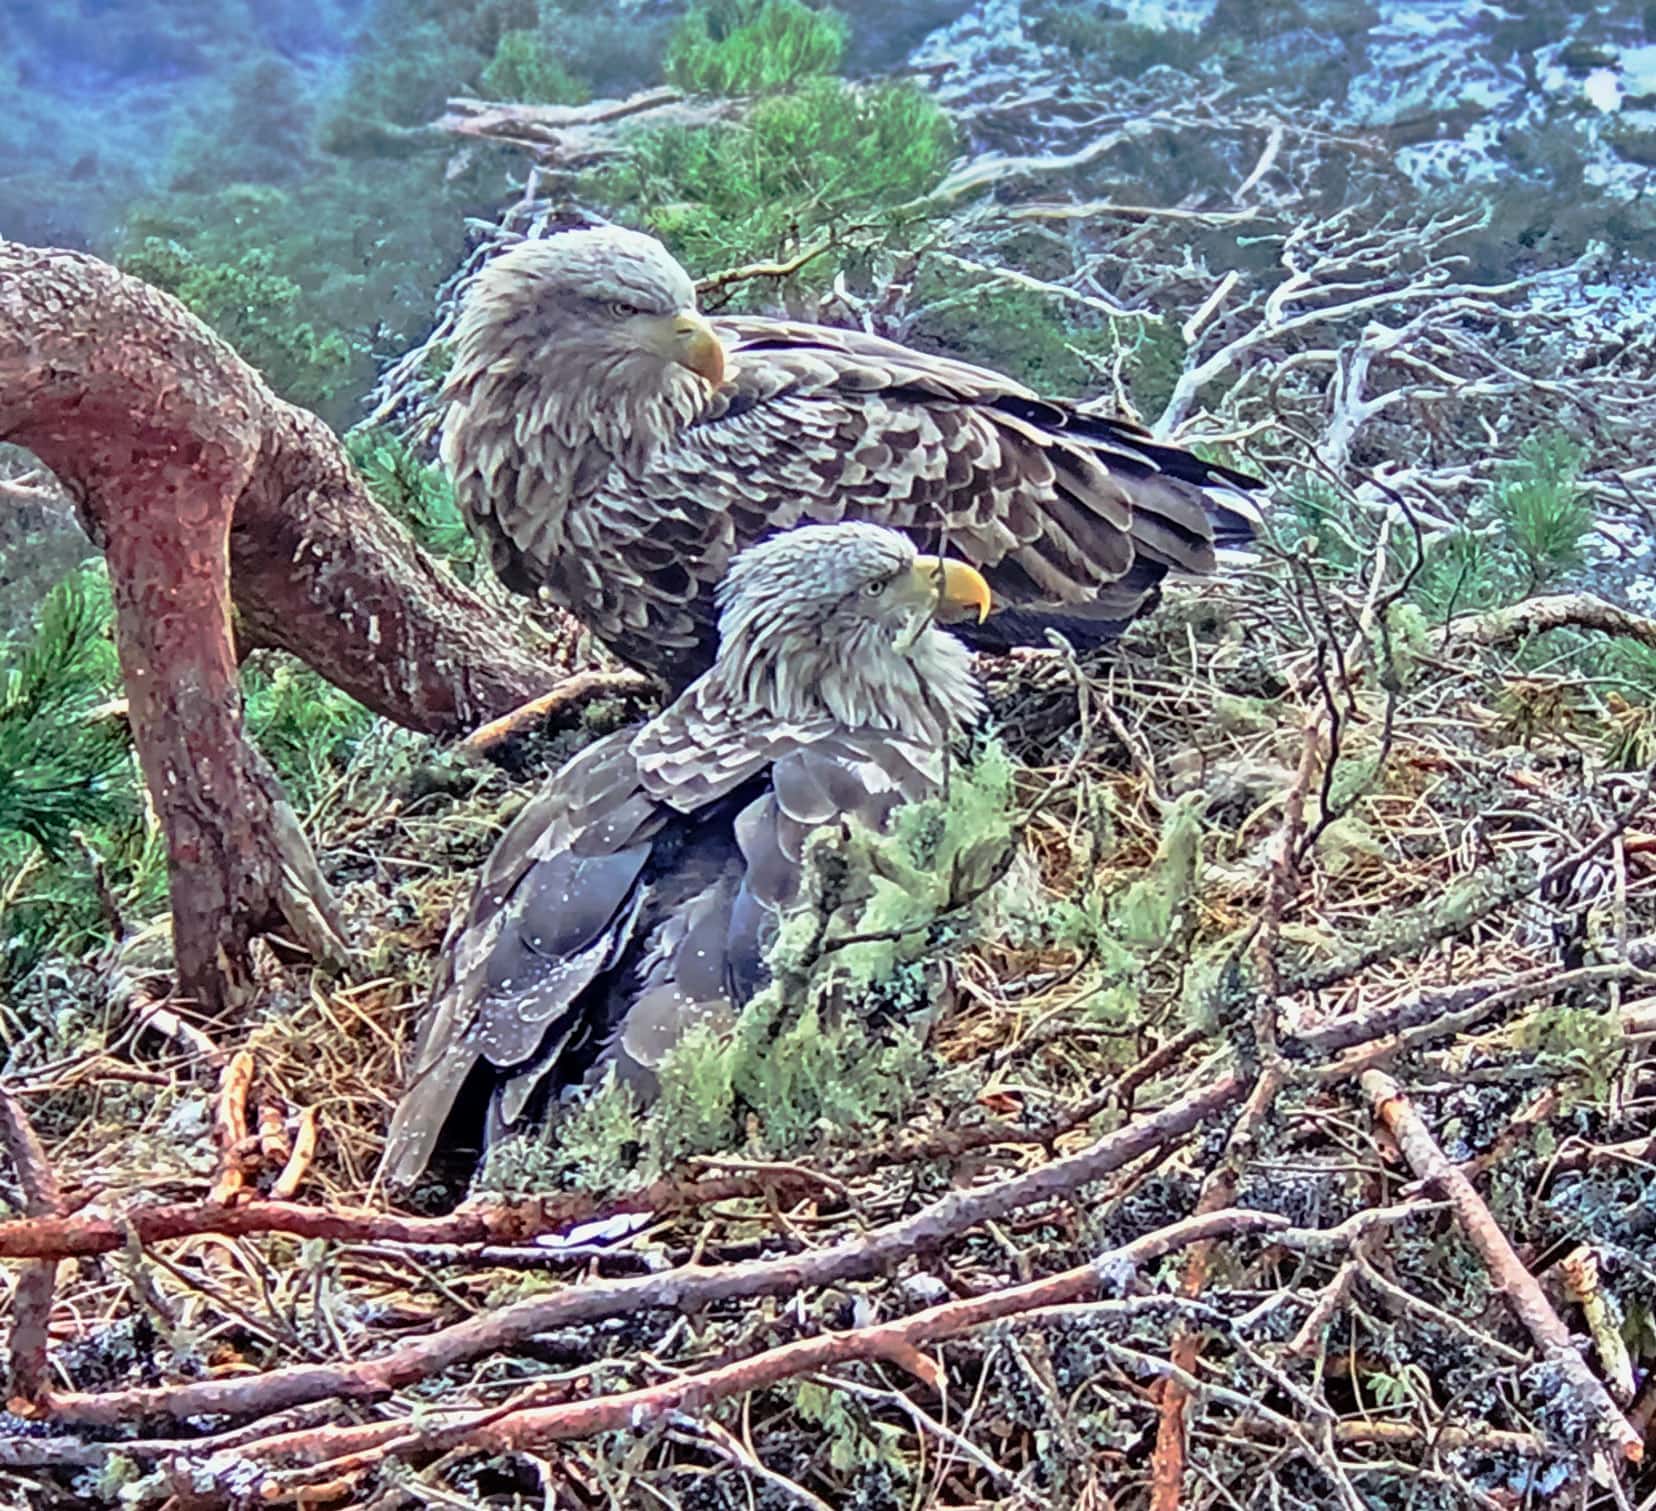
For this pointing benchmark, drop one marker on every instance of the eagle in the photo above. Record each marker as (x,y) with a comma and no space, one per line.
(616,449)
(636,895)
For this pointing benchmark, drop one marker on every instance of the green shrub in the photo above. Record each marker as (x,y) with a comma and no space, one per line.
(753,46)
(525,69)
(1463,572)
(1128,49)
(256,310)
(1539,498)
(828,158)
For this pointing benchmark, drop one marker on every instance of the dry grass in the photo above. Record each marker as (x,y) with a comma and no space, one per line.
(1423,881)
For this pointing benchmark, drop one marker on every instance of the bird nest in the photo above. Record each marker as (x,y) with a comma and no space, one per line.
(1285,1137)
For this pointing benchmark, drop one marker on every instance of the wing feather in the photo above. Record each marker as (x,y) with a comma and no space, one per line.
(556,902)
(1052,502)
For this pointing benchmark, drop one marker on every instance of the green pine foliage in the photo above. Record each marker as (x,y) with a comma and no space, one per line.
(63,767)
(525,69)
(1538,496)
(1463,572)
(1310,514)
(826,160)
(1051,345)
(71,794)
(306,728)
(70,797)
(418,493)
(753,46)
(257,310)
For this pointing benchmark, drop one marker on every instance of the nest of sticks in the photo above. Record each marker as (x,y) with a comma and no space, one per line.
(1336,1192)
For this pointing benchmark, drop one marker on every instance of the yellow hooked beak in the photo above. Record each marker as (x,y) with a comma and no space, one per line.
(953,584)
(694,345)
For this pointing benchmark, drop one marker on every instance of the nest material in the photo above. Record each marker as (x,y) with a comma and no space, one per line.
(1318,915)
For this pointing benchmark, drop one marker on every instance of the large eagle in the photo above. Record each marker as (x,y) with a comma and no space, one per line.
(616,448)
(637,893)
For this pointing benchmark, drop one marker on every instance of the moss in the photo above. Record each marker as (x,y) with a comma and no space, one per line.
(1144,915)
(825,159)
(1582,1043)
(753,46)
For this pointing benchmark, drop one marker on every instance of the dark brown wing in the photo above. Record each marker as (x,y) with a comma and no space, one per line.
(634,897)
(1057,506)
(557,901)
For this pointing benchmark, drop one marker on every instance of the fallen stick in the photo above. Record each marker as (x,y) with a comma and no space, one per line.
(81,1236)
(632,1409)
(32,1294)
(687,1288)
(1522,1291)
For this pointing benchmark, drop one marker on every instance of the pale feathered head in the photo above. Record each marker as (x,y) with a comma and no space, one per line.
(608,305)
(838,620)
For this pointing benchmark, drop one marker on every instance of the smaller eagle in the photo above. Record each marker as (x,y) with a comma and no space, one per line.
(616,448)
(637,894)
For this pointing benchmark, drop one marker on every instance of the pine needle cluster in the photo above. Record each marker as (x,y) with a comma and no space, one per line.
(63,765)
(733,47)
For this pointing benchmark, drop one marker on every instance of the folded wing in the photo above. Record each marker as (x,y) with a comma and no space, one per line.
(635,897)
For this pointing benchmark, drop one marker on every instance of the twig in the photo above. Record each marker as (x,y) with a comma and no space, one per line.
(230,1127)
(299,1159)
(1167,1464)
(573,693)
(32,1294)
(1533,616)
(786,268)
(689,1287)
(1522,1291)
(532,1428)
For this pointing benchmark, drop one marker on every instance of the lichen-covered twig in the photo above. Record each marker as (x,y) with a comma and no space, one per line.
(688,1287)
(1522,1291)
(32,1294)
(533,1427)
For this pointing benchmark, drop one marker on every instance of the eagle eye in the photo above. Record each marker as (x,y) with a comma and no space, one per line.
(621,309)
(878,586)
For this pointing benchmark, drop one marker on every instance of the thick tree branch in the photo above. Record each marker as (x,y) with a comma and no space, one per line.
(200,486)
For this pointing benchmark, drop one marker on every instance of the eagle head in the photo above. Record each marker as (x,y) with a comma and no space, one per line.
(609,303)
(838,620)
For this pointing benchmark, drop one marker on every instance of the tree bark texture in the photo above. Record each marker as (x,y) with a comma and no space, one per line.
(201,487)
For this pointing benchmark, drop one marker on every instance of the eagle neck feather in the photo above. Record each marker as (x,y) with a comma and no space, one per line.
(576,437)
(927,693)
